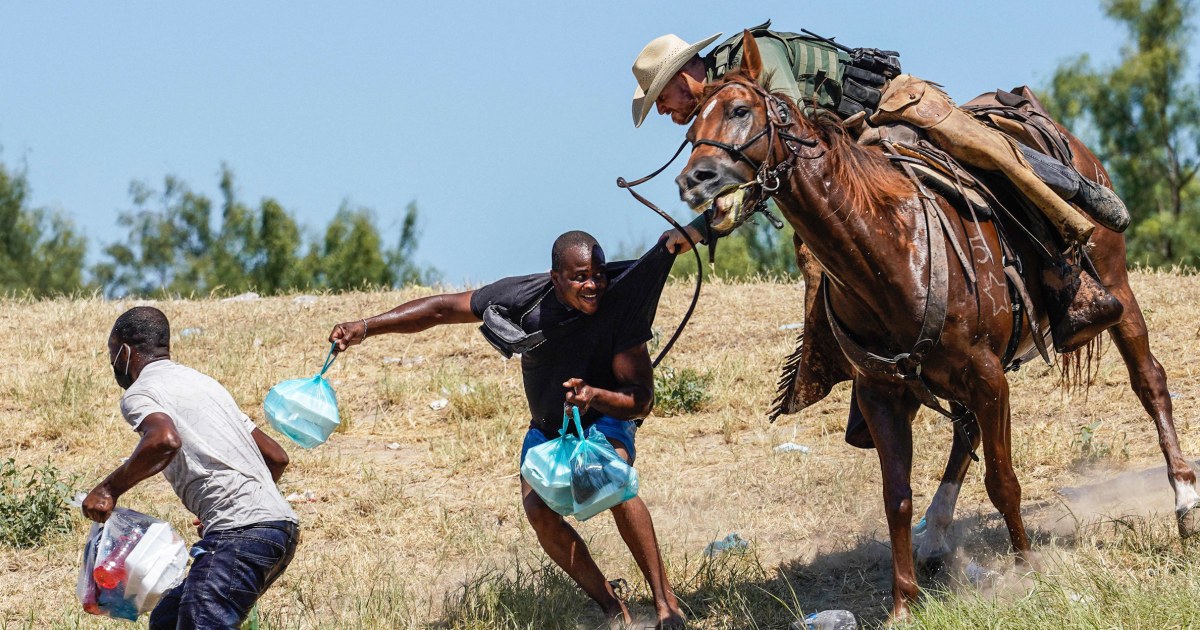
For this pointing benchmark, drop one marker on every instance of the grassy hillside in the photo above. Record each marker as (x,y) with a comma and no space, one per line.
(416,519)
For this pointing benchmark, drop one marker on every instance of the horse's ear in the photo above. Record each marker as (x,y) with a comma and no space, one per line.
(751,58)
(696,88)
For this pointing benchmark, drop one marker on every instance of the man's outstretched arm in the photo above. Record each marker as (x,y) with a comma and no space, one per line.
(410,317)
(158,446)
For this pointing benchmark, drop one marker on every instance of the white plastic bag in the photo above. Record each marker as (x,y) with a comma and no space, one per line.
(128,564)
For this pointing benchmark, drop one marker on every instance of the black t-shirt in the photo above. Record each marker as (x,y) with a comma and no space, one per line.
(623,320)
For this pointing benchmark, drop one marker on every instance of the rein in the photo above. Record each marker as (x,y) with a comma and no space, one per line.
(621,183)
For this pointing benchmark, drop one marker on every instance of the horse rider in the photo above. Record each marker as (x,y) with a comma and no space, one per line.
(813,72)
(816,73)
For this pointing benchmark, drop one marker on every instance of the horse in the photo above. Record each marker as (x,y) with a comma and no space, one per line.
(881,247)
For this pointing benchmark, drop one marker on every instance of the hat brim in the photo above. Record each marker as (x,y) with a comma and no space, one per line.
(644,100)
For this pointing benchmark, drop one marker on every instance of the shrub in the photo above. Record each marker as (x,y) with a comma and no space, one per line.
(32,504)
(680,391)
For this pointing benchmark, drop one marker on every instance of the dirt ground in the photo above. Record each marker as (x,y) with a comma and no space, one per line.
(409,501)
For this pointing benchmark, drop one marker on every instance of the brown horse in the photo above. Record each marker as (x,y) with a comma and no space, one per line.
(878,244)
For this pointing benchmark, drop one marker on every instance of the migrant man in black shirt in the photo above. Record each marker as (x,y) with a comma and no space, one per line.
(595,319)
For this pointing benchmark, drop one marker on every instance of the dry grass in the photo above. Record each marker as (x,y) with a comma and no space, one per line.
(432,533)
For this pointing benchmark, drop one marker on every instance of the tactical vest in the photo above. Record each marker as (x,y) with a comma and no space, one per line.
(817,66)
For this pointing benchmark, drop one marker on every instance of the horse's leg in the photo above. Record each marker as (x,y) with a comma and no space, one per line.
(932,535)
(990,403)
(889,409)
(1149,382)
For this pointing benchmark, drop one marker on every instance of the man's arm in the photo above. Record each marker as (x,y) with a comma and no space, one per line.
(410,317)
(677,244)
(273,454)
(157,447)
(635,397)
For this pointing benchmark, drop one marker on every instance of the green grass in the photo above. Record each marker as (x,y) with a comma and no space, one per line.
(680,391)
(32,504)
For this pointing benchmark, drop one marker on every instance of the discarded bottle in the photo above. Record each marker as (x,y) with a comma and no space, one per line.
(111,571)
(831,620)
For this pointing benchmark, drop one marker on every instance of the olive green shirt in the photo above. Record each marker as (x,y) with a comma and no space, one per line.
(793,71)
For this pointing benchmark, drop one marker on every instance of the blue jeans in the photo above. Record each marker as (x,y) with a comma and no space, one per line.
(231,570)
(621,431)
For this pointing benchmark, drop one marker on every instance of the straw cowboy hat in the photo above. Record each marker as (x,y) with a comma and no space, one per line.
(655,65)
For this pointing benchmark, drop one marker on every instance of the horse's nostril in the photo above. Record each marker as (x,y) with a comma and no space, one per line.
(700,175)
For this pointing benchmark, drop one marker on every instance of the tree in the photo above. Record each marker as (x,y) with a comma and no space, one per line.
(172,247)
(1142,117)
(352,255)
(279,239)
(40,252)
(168,243)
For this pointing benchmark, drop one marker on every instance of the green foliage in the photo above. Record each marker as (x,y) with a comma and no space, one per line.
(753,250)
(172,247)
(40,252)
(680,391)
(32,504)
(352,254)
(1142,117)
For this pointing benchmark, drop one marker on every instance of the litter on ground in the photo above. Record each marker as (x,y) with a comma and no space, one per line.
(732,542)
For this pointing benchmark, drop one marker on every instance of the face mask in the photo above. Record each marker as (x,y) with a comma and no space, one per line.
(123,378)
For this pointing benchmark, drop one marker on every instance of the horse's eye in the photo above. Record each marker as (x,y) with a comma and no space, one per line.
(741,111)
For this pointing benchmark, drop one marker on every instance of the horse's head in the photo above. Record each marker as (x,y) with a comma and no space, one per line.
(733,137)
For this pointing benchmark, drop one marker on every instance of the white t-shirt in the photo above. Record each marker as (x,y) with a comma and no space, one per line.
(219,473)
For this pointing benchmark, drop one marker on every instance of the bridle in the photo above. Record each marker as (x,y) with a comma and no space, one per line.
(767,178)
(778,129)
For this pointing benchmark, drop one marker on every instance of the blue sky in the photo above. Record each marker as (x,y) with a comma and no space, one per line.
(507,123)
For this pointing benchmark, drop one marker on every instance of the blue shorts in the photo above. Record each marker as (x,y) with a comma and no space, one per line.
(621,431)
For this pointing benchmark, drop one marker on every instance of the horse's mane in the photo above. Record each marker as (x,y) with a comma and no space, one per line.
(868,179)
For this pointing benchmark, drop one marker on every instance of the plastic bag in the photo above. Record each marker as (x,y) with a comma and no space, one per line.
(547,467)
(600,479)
(128,564)
(304,409)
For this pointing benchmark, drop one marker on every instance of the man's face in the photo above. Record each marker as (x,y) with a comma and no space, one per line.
(120,355)
(582,280)
(677,100)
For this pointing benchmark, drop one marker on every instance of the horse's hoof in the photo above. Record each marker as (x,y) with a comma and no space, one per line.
(933,565)
(1188,520)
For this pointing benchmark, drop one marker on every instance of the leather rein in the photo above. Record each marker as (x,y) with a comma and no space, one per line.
(772,130)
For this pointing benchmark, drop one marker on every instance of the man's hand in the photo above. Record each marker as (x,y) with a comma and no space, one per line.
(579,393)
(99,503)
(348,334)
(676,243)
(199,527)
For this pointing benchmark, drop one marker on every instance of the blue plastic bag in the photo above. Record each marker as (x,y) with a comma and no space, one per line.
(304,409)
(547,467)
(600,479)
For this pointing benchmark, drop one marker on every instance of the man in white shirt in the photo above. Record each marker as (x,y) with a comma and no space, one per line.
(220,465)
